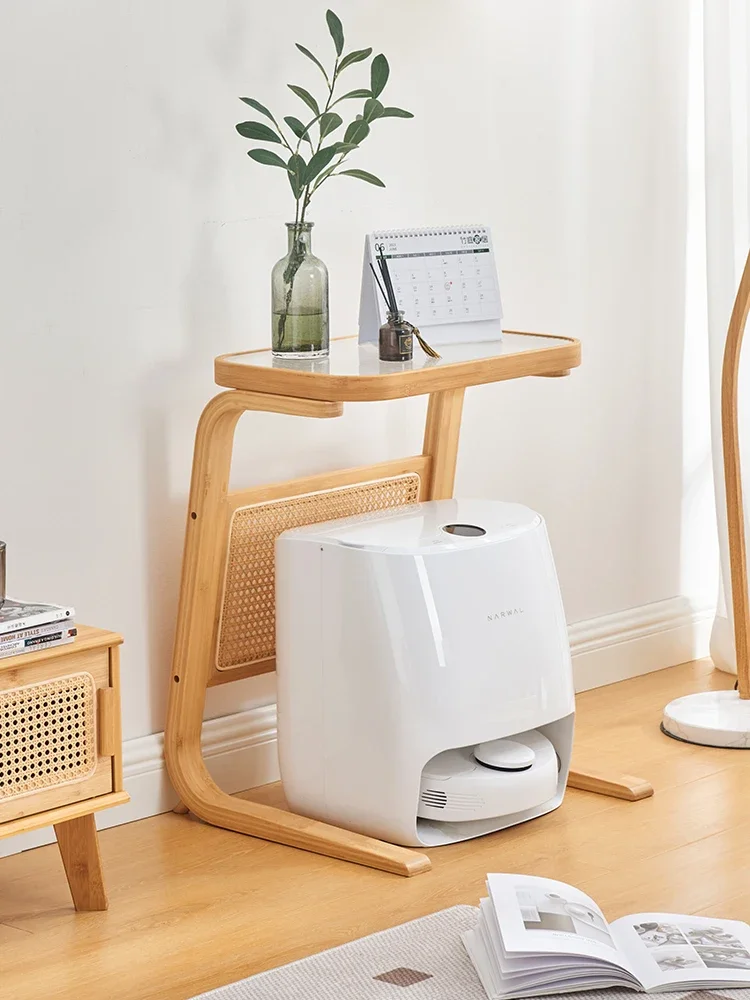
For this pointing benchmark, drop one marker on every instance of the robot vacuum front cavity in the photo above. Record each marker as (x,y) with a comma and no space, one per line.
(457,788)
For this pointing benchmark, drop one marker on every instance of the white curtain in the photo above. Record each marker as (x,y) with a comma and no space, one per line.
(726,65)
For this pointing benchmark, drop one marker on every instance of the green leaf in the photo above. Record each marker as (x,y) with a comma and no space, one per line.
(306,96)
(258,106)
(257,130)
(324,175)
(373,109)
(354,57)
(297,168)
(319,162)
(396,113)
(266,156)
(379,73)
(315,59)
(336,29)
(357,131)
(345,147)
(353,93)
(363,175)
(296,126)
(329,122)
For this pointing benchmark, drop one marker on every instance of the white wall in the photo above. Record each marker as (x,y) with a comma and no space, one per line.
(136,240)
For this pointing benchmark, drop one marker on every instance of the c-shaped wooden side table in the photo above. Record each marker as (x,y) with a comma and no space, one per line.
(225,624)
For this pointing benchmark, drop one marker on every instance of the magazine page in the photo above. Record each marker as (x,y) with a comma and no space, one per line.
(539,916)
(668,949)
(542,976)
(520,967)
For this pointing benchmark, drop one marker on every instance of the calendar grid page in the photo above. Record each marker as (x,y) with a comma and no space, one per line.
(443,275)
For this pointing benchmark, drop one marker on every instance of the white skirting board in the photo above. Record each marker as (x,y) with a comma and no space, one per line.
(240,749)
(638,641)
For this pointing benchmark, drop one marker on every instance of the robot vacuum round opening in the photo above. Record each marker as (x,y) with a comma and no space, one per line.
(467,530)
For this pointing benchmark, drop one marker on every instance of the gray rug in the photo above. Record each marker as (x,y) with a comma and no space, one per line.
(422,960)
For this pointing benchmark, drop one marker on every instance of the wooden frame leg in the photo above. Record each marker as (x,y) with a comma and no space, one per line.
(205,543)
(79,849)
(441,433)
(621,786)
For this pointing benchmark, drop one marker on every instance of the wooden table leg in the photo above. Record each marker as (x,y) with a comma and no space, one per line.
(441,432)
(79,848)
(617,786)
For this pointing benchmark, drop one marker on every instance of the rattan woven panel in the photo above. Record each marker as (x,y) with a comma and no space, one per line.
(47,734)
(248,620)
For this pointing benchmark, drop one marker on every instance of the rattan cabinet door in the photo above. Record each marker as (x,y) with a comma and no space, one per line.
(49,754)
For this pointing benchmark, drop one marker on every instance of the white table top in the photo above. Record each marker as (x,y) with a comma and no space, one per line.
(349,358)
(354,371)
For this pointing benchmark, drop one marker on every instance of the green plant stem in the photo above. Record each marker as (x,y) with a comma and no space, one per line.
(281,134)
(297,254)
(331,87)
(296,257)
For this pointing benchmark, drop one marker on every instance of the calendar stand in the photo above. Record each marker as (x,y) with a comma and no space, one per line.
(225,624)
(444,278)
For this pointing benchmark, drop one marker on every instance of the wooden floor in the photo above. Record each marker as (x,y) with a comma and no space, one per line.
(193,907)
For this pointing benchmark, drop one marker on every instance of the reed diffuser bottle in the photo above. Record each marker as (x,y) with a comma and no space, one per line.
(397,334)
(396,341)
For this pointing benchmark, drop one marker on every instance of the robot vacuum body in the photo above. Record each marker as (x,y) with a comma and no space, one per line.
(425,688)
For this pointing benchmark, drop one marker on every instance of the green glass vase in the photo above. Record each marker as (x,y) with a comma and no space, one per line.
(299,297)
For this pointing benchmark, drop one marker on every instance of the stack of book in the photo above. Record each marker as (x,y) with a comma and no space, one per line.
(25,627)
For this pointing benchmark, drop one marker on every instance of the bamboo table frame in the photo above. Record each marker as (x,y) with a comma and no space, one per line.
(309,389)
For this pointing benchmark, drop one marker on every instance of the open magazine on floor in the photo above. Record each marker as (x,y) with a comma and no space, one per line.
(536,936)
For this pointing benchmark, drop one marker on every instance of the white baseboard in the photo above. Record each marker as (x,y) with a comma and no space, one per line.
(240,749)
(638,641)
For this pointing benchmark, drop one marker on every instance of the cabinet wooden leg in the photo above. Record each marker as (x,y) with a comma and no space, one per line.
(79,848)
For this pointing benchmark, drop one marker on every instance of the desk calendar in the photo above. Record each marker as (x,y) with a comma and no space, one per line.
(444,278)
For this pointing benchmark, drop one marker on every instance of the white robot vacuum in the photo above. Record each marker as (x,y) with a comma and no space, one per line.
(425,689)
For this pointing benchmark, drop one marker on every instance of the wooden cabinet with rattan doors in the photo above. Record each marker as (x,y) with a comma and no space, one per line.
(61,751)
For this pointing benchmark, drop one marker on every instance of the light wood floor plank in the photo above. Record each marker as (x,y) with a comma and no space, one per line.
(193,907)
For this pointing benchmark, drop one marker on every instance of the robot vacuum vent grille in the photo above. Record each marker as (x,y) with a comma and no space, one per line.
(469,803)
(436,799)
